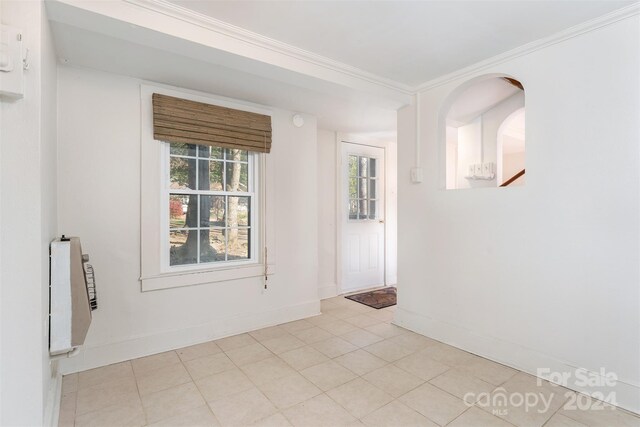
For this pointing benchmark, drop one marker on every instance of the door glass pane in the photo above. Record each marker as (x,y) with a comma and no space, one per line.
(363,209)
(212,211)
(372,168)
(182,149)
(363,166)
(363,190)
(183,247)
(178,206)
(372,189)
(212,245)
(238,243)
(353,166)
(372,209)
(182,173)
(237,176)
(238,208)
(353,209)
(353,188)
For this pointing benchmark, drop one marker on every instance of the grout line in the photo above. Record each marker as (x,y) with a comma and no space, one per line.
(556,411)
(135,380)
(75,405)
(206,403)
(77,392)
(463,412)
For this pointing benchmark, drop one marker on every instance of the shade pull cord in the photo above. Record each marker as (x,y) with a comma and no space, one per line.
(264,214)
(266,267)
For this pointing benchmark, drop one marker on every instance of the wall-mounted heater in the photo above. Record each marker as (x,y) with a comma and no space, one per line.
(72,295)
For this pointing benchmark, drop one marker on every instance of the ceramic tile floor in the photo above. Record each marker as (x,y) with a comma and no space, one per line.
(347,367)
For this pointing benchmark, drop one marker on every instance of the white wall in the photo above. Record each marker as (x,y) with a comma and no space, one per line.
(99,200)
(543,275)
(451,152)
(328,274)
(28,223)
(327,176)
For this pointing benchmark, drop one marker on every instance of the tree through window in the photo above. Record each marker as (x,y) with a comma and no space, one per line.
(210,193)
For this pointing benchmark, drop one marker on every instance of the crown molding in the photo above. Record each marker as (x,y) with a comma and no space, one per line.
(585,27)
(215,25)
(258,41)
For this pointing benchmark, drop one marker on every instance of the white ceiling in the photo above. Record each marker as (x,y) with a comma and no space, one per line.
(336,108)
(410,42)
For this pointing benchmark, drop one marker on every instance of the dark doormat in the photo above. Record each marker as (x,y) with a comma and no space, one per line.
(380,298)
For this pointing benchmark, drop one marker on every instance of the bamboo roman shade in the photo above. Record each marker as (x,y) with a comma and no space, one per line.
(191,122)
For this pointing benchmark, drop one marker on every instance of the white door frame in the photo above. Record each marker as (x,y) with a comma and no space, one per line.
(340,139)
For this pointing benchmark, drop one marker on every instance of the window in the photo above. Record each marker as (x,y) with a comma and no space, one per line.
(210,194)
(362,188)
(203,211)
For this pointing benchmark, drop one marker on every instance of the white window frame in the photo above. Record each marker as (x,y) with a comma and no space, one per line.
(254,236)
(155,272)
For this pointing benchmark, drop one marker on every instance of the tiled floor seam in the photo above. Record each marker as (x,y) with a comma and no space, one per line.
(196,385)
(564,402)
(281,411)
(144,411)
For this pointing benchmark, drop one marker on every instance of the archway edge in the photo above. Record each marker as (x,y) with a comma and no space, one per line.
(443,111)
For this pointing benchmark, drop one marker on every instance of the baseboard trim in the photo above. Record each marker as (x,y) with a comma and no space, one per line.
(627,394)
(52,405)
(328,291)
(106,354)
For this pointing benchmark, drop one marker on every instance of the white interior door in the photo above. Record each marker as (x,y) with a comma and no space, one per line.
(362,216)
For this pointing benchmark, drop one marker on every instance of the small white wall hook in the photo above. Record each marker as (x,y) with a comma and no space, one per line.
(25,61)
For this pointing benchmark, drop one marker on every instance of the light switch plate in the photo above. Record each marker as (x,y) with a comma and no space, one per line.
(487,170)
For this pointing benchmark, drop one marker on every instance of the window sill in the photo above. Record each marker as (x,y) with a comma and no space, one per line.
(200,277)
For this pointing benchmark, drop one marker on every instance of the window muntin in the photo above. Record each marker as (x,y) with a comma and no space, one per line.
(211,199)
(363,183)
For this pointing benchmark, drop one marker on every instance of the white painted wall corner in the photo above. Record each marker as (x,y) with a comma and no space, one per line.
(327,291)
(52,404)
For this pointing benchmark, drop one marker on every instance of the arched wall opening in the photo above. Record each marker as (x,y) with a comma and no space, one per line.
(471,120)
